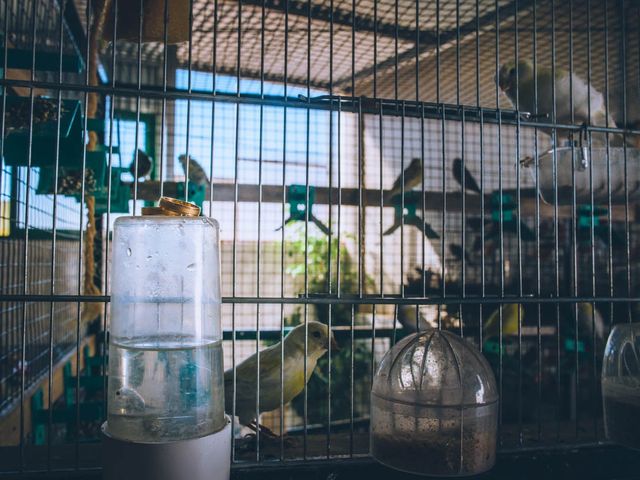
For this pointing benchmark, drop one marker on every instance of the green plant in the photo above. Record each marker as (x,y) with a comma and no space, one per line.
(322,272)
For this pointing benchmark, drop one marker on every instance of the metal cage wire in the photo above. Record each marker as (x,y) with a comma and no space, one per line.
(312,109)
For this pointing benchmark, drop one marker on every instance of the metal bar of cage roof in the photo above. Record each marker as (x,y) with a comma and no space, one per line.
(348,104)
(325,13)
(441,37)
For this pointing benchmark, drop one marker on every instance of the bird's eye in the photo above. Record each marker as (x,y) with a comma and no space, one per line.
(316,334)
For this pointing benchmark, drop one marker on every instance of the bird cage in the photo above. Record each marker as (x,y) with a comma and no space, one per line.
(462,171)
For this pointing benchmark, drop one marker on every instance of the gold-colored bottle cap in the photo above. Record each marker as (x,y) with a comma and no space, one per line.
(157,211)
(178,206)
(173,207)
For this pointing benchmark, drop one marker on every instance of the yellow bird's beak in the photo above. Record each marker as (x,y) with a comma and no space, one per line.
(334,345)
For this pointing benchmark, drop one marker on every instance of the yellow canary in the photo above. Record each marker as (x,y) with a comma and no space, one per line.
(509,321)
(590,321)
(319,337)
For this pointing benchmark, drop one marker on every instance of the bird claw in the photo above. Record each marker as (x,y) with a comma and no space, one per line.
(250,439)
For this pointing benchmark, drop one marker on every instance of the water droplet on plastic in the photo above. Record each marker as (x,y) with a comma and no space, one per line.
(128,252)
(191,266)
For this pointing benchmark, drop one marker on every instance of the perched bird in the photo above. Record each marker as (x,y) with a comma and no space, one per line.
(589,106)
(412,177)
(464,176)
(318,339)
(509,321)
(144,165)
(197,174)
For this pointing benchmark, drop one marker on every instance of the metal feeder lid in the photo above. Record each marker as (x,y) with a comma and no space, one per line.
(435,368)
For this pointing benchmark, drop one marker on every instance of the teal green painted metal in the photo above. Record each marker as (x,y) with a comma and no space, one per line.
(88,411)
(69,394)
(588,216)
(94,383)
(570,345)
(43,147)
(508,207)
(38,430)
(120,194)
(48,61)
(95,160)
(297,200)
(95,362)
(410,207)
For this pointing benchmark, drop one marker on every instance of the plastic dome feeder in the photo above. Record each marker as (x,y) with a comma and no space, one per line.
(434,407)
(621,385)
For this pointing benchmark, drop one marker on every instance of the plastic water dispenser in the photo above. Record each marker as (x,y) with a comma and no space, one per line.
(165,412)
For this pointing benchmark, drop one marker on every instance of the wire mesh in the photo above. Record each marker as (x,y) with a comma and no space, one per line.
(324,106)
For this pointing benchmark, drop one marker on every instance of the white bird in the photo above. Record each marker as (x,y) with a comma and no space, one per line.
(572,94)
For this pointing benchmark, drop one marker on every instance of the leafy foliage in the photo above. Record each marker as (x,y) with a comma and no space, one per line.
(323,275)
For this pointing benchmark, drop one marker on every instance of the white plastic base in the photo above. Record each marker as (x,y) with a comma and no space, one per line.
(204,458)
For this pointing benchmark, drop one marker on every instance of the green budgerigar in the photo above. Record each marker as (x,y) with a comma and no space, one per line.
(319,337)
(572,93)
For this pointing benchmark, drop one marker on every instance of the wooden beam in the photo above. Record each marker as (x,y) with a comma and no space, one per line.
(225,192)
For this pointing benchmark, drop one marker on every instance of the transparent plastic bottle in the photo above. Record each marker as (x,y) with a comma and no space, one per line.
(165,346)
(434,407)
(621,385)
